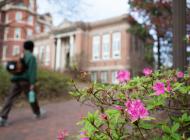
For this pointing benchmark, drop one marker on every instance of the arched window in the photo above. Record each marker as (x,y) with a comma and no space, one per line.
(17,34)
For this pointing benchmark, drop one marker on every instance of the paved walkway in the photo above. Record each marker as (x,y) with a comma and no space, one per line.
(62,115)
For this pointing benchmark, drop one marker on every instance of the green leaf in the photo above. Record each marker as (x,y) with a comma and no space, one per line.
(184,116)
(176,136)
(175,127)
(166,137)
(166,129)
(145,125)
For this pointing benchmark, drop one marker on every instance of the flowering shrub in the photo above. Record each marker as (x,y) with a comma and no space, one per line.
(152,107)
(62,135)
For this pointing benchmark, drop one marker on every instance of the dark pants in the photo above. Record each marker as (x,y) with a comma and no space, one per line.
(16,89)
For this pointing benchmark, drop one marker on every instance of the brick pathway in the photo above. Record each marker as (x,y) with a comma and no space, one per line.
(62,115)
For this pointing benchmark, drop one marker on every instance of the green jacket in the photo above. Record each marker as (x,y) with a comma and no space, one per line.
(30,74)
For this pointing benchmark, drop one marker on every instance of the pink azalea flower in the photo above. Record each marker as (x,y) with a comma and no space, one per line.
(103,116)
(180,74)
(128,103)
(136,110)
(168,88)
(84,135)
(159,88)
(86,138)
(123,76)
(147,71)
(117,107)
(62,135)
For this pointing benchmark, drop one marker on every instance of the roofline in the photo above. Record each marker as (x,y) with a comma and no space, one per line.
(93,24)
(108,21)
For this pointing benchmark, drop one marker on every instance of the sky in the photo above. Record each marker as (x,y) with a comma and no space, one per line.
(91,10)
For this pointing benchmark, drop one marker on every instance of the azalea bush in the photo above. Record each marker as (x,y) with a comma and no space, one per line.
(155,106)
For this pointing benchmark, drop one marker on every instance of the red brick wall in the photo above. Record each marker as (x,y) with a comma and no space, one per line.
(23,25)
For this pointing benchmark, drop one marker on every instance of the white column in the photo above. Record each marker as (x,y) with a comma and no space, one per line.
(72,48)
(58,55)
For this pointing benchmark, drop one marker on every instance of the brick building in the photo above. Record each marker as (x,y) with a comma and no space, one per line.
(100,48)
(18,21)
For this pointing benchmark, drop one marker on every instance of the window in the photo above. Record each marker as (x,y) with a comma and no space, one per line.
(30,20)
(36,51)
(114,77)
(47,56)
(42,54)
(16,50)
(96,48)
(6,33)
(17,34)
(31,4)
(104,77)
(4,52)
(29,32)
(20,4)
(37,28)
(106,47)
(93,76)
(116,45)
(18,16)
(46,29)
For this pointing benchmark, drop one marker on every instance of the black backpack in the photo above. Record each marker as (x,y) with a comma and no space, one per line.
(16,65)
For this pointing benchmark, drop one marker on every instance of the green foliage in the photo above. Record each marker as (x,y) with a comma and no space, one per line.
(5,82)
(52,84)
(169,117)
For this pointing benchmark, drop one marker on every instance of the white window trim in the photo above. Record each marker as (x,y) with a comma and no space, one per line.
(106,47)
(116,41)
(7,18)
(6,34)
(96,48)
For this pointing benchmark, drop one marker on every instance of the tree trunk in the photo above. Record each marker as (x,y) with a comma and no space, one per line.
(159,53)
(179,31)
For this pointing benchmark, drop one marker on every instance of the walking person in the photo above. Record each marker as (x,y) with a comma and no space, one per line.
(22,83)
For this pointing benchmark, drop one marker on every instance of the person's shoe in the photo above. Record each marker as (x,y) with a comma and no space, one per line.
(3,122)
(41,115)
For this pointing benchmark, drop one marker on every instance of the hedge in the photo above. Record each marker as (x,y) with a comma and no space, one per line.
(50,84)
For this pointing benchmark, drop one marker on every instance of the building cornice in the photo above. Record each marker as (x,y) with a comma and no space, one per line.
(40,36)
(15,7)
